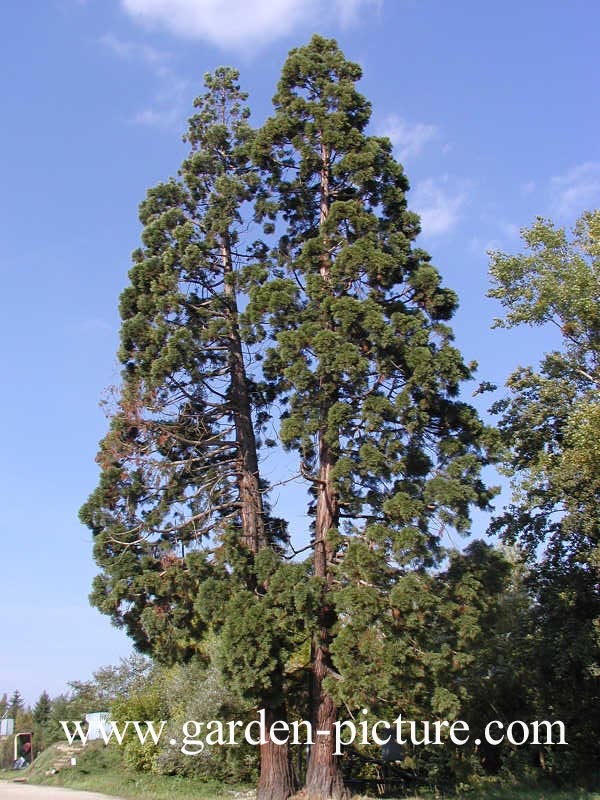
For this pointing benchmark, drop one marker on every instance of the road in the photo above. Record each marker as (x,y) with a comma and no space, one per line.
(23,791)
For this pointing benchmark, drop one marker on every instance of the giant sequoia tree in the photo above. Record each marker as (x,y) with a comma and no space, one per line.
(351,320)
(362,357)
(179,511)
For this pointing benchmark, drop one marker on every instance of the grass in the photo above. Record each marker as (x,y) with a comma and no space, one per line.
(519,793)
(101,769)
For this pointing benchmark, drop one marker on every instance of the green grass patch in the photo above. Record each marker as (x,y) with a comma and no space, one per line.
(101,769)
(515,792)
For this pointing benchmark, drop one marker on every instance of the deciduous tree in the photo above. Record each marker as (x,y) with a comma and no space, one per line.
(550,424)
(551,419)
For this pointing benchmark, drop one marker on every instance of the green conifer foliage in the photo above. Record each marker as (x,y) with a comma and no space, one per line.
(16,704)
(363,359)
(178,517)
(42,709)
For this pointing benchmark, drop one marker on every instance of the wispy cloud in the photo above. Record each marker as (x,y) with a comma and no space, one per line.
(480,246)
(349,11)
(96,325)
(409,138)
(503,229)
(509,229)
(135,51)
(239,24)
(497,234)
(439,203)
(163,113)
(168,103)
(577,190)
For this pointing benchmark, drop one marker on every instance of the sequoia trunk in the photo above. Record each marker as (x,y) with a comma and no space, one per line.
(253,526)
(323,777)
(276,779)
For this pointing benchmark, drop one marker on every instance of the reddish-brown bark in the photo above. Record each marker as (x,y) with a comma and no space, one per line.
(323,777)
(276,777)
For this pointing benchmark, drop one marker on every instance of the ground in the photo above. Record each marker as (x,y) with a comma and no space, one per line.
(21,791)
(100,772)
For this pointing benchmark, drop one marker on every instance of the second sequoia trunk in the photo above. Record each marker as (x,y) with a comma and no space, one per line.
(323,777)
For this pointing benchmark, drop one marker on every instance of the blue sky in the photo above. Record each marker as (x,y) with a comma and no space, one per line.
(492,109)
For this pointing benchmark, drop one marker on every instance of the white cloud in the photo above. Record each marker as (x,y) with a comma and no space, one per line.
(238,23)
(158,116)
(509,229)
(503,228)
(169,105)
(96,325)
(133,51)
(225,23)
(349,10)
(578,189)
(497,234)
(482,247)
(408,138)
(167,108)
(439,204)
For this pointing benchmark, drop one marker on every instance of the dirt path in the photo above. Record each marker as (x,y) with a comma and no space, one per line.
(23,791)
